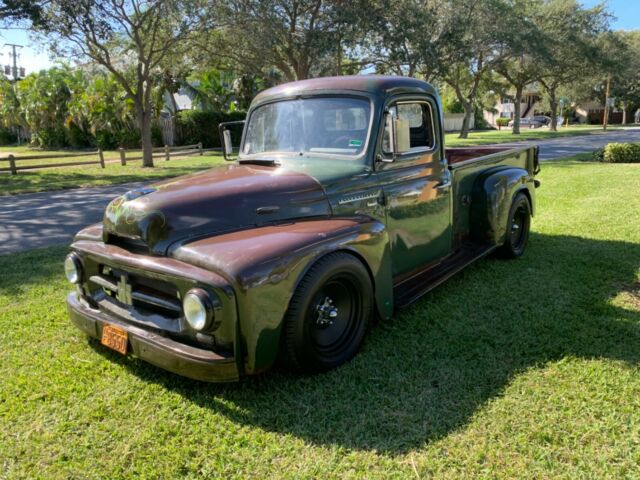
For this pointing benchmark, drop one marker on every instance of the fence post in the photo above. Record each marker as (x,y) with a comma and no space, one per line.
(200,147)
(101,156)
(12,165)
(123,159)
(167,154)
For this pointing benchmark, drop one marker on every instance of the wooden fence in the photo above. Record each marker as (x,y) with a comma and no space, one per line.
(165,152)
(14,168)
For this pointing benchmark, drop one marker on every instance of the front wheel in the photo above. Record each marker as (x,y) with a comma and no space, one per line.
(518,228)
(328,314)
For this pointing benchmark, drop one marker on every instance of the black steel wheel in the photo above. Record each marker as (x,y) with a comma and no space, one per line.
(328,314)
(518,228)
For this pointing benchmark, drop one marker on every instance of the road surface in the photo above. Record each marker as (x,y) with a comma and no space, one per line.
(44,219)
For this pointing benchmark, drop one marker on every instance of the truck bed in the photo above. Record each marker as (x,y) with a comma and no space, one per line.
(467,163)
(462,154)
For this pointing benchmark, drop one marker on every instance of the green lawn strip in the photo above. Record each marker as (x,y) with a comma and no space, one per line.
(90,176)
(525,368)
(505,135)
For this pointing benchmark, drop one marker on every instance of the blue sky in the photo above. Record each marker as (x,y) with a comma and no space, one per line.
(34,56)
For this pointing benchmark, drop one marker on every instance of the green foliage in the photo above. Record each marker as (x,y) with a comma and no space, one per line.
(503,122)
(450,104)
(622,153)
(195,126)
(7,137)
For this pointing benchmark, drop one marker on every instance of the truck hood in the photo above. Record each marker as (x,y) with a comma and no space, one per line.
(219,200)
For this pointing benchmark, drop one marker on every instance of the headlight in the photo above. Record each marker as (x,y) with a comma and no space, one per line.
(73,268)
(198,308)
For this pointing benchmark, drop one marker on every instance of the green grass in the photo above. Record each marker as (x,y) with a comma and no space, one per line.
(506,136)
(90,175)
(513,369)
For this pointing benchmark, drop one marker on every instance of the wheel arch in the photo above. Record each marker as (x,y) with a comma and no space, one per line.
(492,197)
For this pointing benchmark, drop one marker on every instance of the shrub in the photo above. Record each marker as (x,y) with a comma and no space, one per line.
(75,137)
(194,126)
(7,137)
(502,122)
(622,153)
(49,137)
(598,155)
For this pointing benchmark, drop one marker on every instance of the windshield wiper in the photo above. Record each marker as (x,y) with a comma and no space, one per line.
(261,161)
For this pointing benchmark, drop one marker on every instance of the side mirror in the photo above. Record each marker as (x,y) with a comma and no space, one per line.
(225,138)
(397,137)
(389,137)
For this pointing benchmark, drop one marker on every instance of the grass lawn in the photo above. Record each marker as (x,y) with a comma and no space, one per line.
(90,175)
(526,368)
(505,136)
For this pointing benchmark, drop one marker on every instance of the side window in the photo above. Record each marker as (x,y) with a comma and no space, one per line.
(414,127)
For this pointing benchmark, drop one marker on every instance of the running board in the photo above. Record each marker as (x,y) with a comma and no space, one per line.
(411,289)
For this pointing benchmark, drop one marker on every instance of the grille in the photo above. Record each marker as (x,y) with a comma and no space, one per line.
(146,295)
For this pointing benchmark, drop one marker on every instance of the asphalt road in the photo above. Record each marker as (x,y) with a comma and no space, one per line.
(44,219)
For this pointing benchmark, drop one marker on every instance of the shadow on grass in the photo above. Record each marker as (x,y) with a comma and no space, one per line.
(425,373)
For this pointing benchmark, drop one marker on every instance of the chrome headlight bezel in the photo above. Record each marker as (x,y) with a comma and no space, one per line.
(198,309)
(73,268)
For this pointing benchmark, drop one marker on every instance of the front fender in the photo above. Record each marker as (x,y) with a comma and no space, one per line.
(492,196)
(264,266)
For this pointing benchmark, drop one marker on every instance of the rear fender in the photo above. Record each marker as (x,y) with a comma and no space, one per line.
(492,196)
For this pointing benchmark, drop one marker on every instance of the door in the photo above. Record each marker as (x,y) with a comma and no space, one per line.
(417,186)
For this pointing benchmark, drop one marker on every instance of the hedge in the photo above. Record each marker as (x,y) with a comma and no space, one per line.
(193,126)
(622,153)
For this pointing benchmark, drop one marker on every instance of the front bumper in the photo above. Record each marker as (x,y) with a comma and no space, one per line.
(176,357)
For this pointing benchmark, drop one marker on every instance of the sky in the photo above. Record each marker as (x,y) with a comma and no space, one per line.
(34,56)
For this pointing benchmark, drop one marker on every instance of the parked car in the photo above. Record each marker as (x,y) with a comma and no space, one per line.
(533,122)
(343,205)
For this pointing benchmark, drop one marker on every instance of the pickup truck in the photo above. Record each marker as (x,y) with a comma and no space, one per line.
(341,206)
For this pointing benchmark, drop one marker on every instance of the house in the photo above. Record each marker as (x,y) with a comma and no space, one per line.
(505,108)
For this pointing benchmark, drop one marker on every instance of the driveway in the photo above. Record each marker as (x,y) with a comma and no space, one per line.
(52,218)
(44,219)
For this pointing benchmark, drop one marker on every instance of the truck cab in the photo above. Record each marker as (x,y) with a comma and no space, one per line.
(340,205)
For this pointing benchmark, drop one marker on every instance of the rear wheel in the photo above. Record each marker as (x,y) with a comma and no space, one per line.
(328,314)
(518,228)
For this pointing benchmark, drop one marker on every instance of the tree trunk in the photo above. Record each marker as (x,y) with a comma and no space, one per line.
(144,121)
(516,110)
(466,122)
(624,113)
(605,118)
(553,103)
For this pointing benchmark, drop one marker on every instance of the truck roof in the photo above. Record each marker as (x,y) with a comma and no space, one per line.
(374,84)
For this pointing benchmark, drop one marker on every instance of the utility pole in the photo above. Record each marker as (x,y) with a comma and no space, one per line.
(14,54)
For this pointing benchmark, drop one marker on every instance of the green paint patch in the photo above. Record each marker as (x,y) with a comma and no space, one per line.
(512,369)
(355,143)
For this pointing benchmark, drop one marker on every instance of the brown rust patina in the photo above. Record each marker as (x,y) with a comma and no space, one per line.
(374,183)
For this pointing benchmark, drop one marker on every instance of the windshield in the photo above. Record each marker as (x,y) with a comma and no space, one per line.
(321,125)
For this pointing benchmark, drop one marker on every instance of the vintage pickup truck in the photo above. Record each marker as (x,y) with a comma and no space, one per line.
(342,206)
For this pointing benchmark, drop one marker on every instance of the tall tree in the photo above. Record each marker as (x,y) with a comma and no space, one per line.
(130,38)
(570,32)
(521,47)
(476,51)
(295,36)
